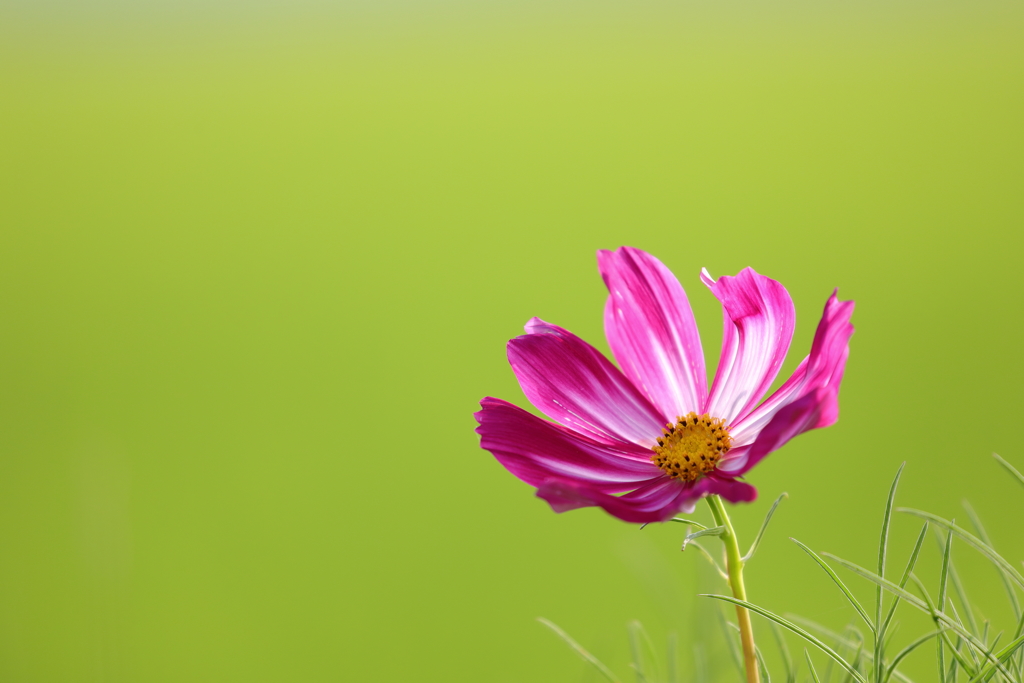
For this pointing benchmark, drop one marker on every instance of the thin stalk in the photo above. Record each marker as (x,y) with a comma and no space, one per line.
(734,566)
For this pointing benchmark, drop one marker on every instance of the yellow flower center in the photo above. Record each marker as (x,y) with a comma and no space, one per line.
(692,446)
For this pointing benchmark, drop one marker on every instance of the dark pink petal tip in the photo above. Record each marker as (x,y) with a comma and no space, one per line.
(759,323)
(732,490)
(656,502)
(822,368)
(535,450)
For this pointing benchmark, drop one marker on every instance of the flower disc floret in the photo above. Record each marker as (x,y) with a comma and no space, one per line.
(692,446)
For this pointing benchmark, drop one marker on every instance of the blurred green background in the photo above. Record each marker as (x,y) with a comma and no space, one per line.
(259,263)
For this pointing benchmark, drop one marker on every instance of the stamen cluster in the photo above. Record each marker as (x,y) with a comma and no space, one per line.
(692,446)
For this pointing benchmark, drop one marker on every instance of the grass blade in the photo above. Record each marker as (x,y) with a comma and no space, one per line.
(857,657)
(635,649)
(1003,656)
(1009,468)
(944,573)
(810,665)
(700,669)
(764,525)
(940,660)
(730,641)
(840,641)
(925,607)
(903,581)
(885,583)
(587,657)
(842,586)
(984,538)
(671,659)
(787,659)
(972,541)
(961,594)
(883,548)
(891,669)
(1017,662)
(794,628)
(958,657)
(1017,634)
(765,675)
(982,638)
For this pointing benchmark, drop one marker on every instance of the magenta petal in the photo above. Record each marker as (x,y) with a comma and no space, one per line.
(734,460)
(535,450)
(823,367)
(732,490)
(759,322)
(656,502)
(572,383)
(820,408)
(651,331)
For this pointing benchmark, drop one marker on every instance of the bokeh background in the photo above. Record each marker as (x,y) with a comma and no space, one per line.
(258,263)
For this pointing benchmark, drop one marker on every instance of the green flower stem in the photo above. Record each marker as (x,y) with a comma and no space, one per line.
(735,569)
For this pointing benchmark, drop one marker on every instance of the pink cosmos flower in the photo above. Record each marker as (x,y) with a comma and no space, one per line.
(648,441)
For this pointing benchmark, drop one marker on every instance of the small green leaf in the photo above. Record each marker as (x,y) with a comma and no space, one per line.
(688,521)
(764,525)
(587,657)
(794,628)
(713,531)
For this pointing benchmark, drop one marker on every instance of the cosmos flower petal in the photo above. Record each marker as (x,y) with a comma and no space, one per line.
(823,367)
(535,450)
(651,331)
(734,459)
(732,490)
(572,383)
(819,408)
(759,322)
(657,501)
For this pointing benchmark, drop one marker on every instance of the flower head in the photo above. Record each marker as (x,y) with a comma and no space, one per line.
(648,441)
